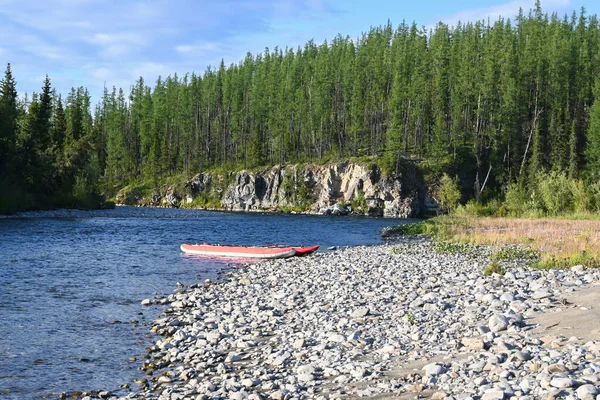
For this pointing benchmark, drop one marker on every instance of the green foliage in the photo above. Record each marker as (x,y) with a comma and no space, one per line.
(555,192)
(412,229)
(452,247)
(359,203)
(209,200)
(593,148)
(493,268)
(509,253)
(84,193)
(582,199)
(132,193)
(13,198)
(561,263)
(512,99)
(448,192)
(493,208)
(410,318)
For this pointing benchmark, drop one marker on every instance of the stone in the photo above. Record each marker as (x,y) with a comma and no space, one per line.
(163,379)
(578,269)
(562,383)
(360,312)
(587,390)
(493,395)
(213,337)
(476,344)
(541,294)
(305,369)
(497,323)
(434,369)
(305,377)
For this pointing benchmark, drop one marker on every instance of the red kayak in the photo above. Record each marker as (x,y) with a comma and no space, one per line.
(246,251)
(303,251)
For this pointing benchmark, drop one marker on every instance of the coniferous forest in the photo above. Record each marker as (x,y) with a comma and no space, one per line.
(504,100)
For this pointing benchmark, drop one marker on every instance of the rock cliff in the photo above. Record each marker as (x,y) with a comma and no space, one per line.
(339,188)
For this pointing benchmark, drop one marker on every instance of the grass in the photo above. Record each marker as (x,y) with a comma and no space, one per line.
(494,268)
(552,242)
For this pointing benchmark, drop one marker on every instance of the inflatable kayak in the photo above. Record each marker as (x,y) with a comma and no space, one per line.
(247,251)
(238,251)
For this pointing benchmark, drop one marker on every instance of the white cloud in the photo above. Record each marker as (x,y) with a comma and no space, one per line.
(200,48)
(109,39)
(150,71)
(102,74)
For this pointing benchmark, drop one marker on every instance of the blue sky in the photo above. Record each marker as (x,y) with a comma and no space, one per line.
(90,42)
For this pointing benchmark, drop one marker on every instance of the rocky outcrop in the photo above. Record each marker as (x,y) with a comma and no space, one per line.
(335,189)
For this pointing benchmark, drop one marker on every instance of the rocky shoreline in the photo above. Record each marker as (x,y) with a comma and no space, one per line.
(331,189)
(389,321)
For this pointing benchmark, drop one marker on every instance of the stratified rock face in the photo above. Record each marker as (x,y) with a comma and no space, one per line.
(328,189)
(332,189)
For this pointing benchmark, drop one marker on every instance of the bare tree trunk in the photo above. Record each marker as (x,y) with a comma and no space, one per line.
(536,114)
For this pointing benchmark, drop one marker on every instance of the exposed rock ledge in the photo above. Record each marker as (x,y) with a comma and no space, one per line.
(320,189)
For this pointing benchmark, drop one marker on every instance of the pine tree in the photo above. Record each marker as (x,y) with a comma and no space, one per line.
(9,114)
(593,135)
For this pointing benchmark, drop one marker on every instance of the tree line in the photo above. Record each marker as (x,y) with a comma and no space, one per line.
(492,102)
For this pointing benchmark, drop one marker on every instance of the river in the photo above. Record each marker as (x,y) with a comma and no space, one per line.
(72,282)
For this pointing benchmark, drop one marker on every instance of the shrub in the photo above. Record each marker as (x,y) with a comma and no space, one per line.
(594,193)
(359,202)
(477,209)
(517,199)
(515,253)
(581,197)
(555,192)
(494,268)
(448,192)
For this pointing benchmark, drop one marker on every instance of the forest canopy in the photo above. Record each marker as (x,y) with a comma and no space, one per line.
(494,103)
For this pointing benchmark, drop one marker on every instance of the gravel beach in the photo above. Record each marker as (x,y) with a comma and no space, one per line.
(397,320)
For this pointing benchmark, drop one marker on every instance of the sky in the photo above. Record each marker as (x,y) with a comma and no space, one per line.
(93,43)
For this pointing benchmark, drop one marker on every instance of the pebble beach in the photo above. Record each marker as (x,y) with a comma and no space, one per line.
(397,320)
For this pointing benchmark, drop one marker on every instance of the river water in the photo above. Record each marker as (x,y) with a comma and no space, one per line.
(72,281)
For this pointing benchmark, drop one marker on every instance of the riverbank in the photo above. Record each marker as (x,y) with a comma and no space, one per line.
(549,242)
(381,321)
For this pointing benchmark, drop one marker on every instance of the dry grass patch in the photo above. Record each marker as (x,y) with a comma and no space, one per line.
(560,242)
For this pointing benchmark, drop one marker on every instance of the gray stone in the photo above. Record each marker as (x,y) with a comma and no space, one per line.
(360,312)
(562,383)
(541,294)
(305,377)
(434,369)
(497,323)
(587,390)
(493,395)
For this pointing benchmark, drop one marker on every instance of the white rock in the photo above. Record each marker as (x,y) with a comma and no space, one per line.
(562,383)
(304,378)
(360,312)
(588,390)
(493,394)
(541,294)
(578,269)
(497,323)
(305,369)
(434,369)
